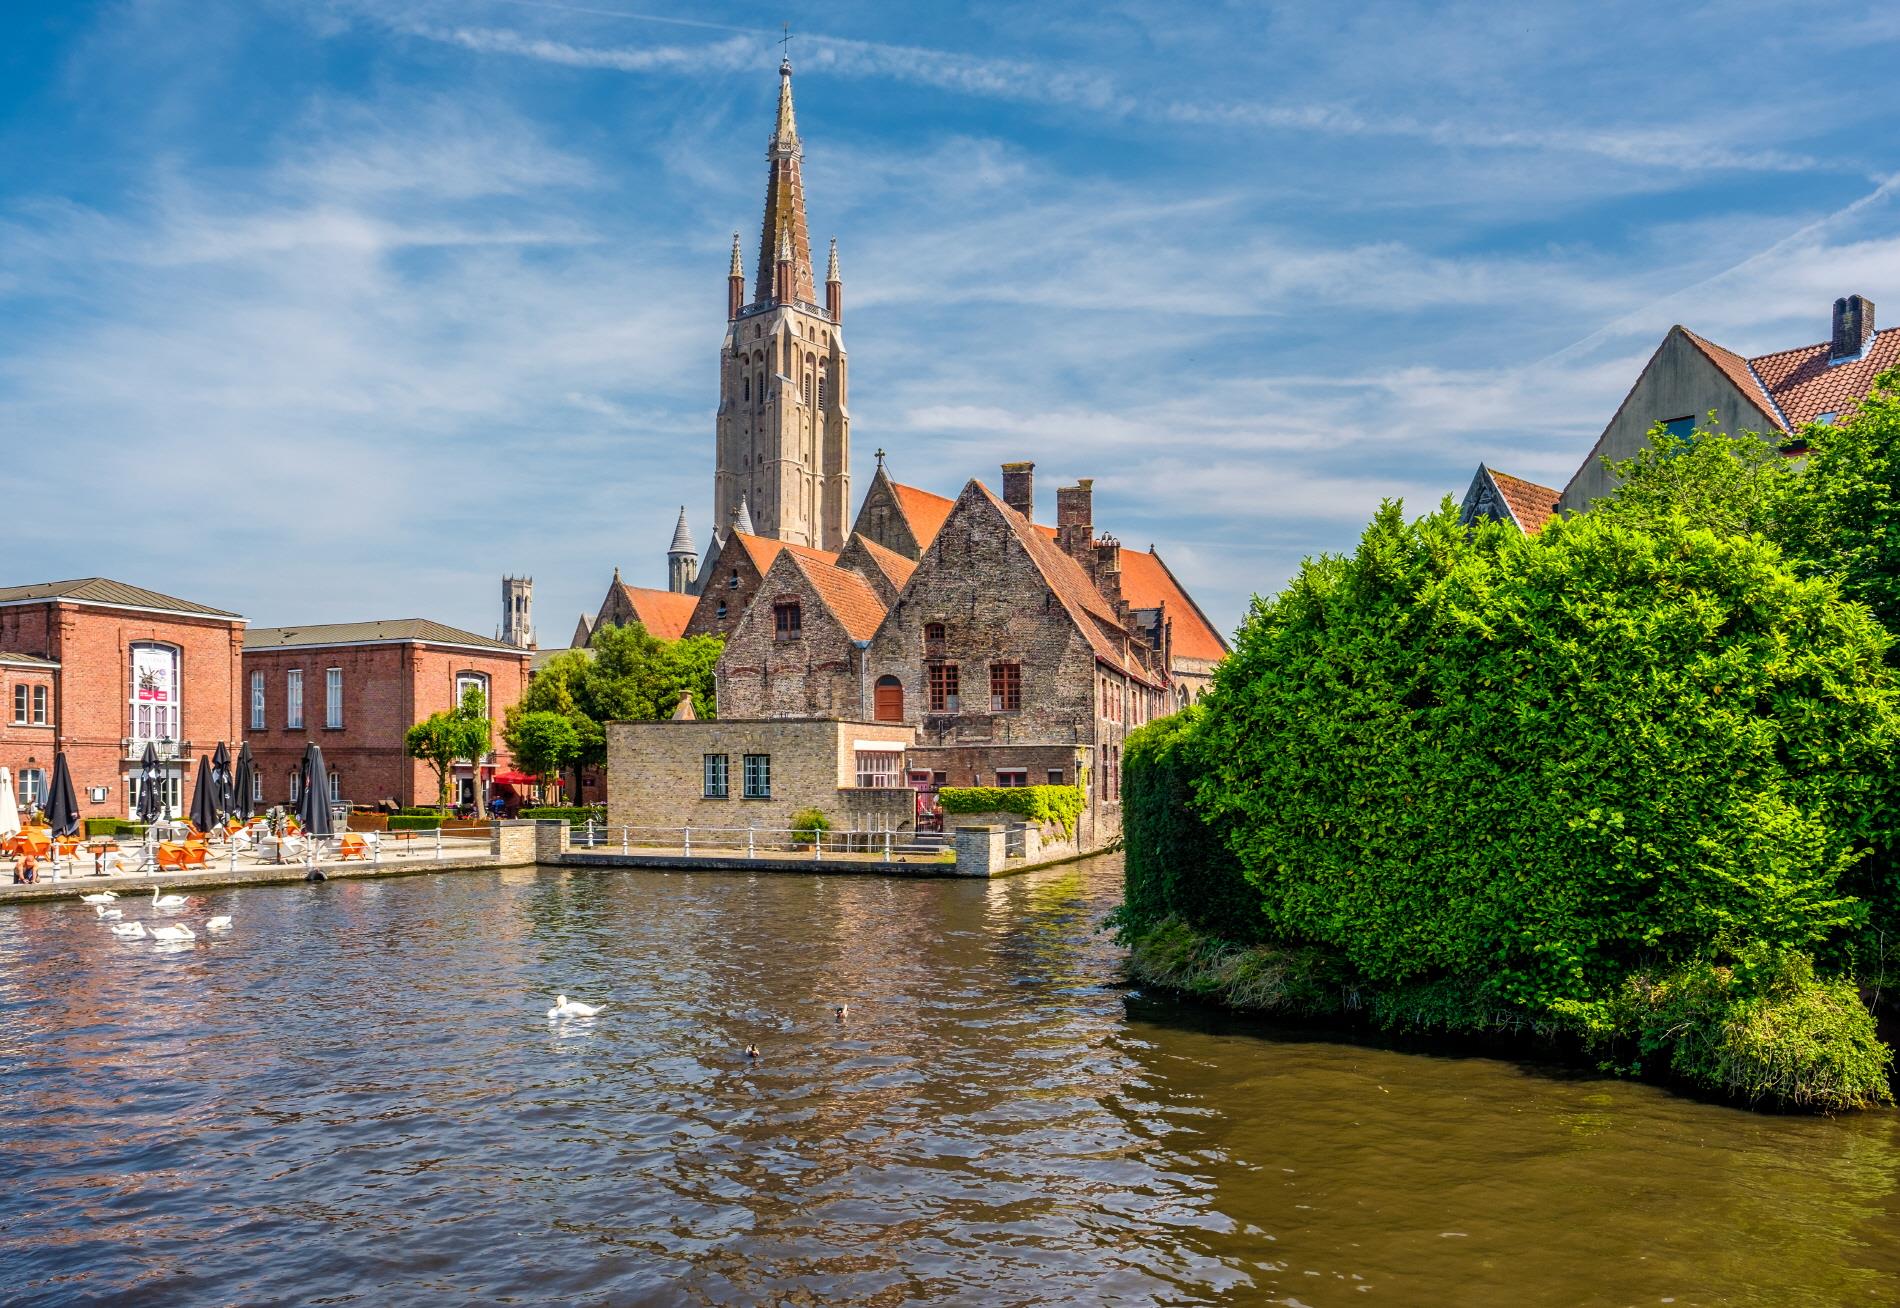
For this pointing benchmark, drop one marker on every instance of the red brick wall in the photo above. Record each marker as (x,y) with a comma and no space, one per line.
(386,690)
(92,690)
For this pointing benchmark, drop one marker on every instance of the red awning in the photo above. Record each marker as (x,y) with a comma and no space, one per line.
(514,779)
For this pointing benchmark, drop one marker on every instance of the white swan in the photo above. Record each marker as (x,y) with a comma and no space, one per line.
(565,1007)
(173,933)
(166,901)
(105,912)
(103,897)
(217,924)
(130,930)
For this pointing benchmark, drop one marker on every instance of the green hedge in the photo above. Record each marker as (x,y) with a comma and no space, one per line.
(414,822)
(430,810)
(113,827)
(1061,805)
(1173,862)
(575,816)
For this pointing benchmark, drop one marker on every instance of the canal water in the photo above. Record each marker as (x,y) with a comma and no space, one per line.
(356,1097)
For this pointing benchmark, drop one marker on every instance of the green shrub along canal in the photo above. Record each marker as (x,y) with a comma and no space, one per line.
(355,1095)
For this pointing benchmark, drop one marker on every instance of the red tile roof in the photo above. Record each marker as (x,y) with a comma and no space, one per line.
(895,567)
(924,511)
(1148,584)
(762,550)
(1735,368)
(1805,385)
(1532,505)
(664,613)
(848,596)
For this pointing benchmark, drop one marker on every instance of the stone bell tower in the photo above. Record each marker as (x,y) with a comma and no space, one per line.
(784,435)
(517,612)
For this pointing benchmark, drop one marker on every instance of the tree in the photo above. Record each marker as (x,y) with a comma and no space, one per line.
(542,741)
(1733,484)
(558,687)
(443,739)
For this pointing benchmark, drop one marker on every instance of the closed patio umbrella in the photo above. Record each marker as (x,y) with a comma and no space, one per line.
(243,784)
(62,804)
(204,813)
(222,800)
(151,806)
(313,794)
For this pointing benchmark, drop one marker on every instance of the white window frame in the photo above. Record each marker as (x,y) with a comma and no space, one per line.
(293,701)
(151,720)
(258,698)
(880,769)
(257,787)
(30,788)
(333,699)
(336,786)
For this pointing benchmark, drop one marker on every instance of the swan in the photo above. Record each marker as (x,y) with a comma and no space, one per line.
(130,930)
(103,897)
(166,901)
(217,924)
(105,912)
(171,933)
(565,1007)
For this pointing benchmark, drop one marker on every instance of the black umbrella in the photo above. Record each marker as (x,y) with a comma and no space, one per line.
(151,808)
(313,794)
(62,805)
(222,801)
(244,784)
(204,813)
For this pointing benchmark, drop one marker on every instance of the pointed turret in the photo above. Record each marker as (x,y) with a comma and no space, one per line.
(682,560)
(735,283)
(742,520)
(834,286)
(785,209)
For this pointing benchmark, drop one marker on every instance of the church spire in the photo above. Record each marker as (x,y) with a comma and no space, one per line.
(785,208)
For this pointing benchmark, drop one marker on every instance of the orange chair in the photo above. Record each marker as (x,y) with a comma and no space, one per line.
(352,845)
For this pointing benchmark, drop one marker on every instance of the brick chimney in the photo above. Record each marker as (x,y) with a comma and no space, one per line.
(1019,488)
(1853,327)
(1075,520)
(1107,571)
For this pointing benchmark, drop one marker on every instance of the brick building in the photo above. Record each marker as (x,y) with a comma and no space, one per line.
(355,688)
(98,668)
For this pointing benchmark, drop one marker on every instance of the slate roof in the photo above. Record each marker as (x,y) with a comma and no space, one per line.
(664,613)
(404,630)
(103,590)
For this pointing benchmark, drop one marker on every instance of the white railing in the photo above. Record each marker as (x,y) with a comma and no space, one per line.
(752,842)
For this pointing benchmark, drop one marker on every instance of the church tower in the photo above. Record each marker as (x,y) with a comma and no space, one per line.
(784,436)
(517,611)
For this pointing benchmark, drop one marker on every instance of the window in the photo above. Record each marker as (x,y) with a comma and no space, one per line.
(785,620)
(888,700)
(257,701)
(722,608)
(758,776)
(336,788)
(732,582)
(943,688)
(333,699)
(748,388)
(880,769)
(293,785)
(29,705)
(293,701)
(821,390)
(257,787)
(1006,687)
(716,781)
(467,681)
(32,788)
(933,636)
(154,695)
(1012,778)
(1055,776)
(1681,428)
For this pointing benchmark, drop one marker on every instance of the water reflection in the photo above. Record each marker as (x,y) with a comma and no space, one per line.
(357,1095)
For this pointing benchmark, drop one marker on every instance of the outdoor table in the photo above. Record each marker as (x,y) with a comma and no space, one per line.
(352,845)
(100,848)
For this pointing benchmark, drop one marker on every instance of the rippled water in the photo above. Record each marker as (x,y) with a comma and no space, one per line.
(356,1097)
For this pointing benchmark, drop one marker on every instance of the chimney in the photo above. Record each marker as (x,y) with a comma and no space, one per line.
(1108,574)
(1853,327)
(1075,520)
(1019,488)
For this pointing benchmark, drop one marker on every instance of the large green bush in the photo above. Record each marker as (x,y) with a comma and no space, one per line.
(574,816)
(1546,762)
(1061,805)
(1173,863)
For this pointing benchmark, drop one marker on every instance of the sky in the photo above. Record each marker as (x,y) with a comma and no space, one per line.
(327,310)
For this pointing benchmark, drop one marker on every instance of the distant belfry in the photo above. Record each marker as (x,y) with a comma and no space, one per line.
(784,435)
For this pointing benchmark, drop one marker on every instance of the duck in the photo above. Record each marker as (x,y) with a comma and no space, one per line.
(166,901)
(171,934)
(565,1007)
(841,1011)
(217,924)
(105,913)
(752,1052)
(130,930)
(103,897)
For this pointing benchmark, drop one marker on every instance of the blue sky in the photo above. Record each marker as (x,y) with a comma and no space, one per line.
(335,309)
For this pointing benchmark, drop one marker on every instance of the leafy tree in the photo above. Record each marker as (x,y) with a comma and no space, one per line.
(558,687)
(542,742)
(636,677)
(443,739)
(1733,484)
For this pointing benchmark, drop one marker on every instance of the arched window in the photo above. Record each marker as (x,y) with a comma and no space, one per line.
(821,390)
(888,700)
(748,388)
(732,582)
(808,390)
